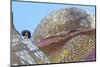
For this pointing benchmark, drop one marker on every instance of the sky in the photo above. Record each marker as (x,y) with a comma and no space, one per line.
(27,15)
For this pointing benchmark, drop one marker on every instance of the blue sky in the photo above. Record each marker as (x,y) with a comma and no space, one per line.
(27,15)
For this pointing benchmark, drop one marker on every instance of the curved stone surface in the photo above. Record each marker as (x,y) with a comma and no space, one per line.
(63,20)
(72,47)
